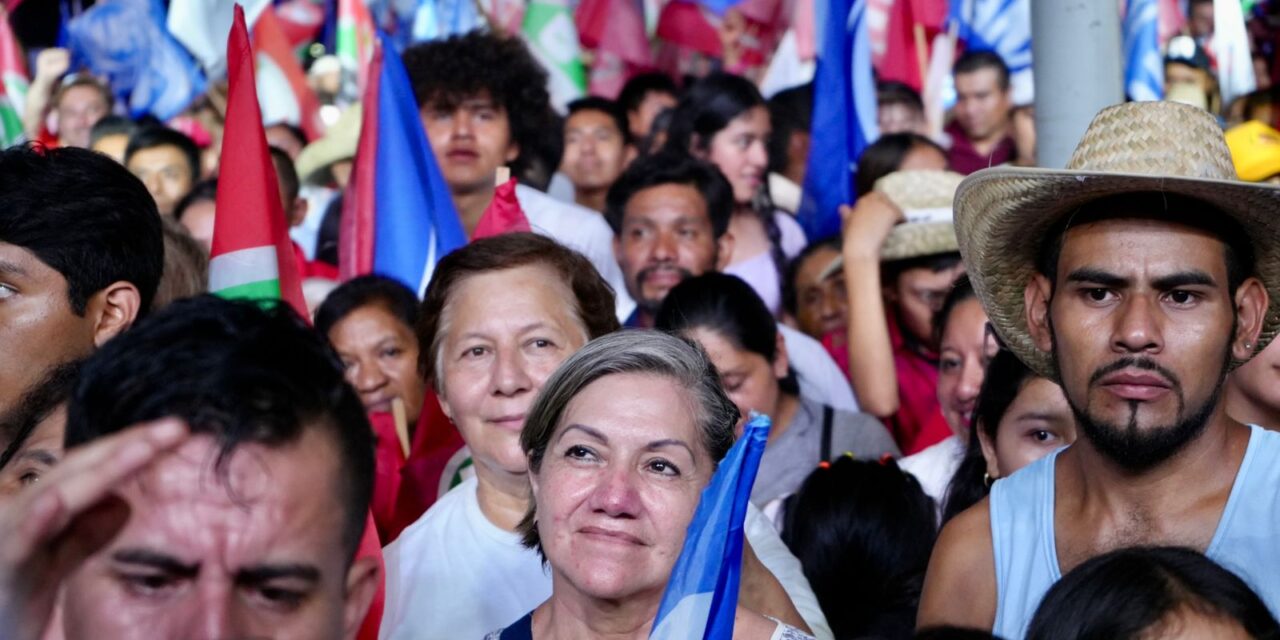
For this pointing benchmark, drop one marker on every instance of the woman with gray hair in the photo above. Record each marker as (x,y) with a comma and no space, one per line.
(621,442)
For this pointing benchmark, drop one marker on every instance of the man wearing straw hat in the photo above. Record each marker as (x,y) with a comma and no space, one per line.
(1138,277)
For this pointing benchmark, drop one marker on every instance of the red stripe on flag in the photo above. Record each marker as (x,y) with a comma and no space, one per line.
(249,212)
(355,255)
(269,36)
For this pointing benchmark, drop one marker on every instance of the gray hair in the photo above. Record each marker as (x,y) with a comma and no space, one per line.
(634,351)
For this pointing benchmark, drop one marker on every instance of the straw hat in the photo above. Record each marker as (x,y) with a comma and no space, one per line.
(925,197)
(1002,215)
(338,143)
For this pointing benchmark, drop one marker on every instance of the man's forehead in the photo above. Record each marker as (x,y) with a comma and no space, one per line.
(1151,239)
(590,118)
(667,201)
(445,101)
(20,261)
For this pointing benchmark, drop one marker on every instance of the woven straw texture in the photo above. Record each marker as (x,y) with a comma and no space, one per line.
(1002,215)
(919,190)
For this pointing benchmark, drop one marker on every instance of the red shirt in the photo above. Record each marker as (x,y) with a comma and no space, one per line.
(919,422)
(964,159)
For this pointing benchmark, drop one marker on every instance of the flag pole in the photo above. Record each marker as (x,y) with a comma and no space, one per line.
(401,418)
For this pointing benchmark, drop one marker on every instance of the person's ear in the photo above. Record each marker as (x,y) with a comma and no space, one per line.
(988,452)
(1036,298)
(513,152)
(1251,310)
(724,250)
(781,362)
(113,310)
(298,212)
(629,154)
(363,579)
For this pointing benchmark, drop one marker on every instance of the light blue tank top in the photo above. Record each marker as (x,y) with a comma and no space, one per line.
(1247,541)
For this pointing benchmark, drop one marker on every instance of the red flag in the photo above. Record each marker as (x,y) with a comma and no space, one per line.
(359,204)
(250,221)
(902,60)
(274,48)
(435,459)
(503,215)
(616,27)
(300,20)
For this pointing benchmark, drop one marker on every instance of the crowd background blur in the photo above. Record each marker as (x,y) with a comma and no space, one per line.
(460,195)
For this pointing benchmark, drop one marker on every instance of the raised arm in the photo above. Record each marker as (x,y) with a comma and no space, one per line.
(871,370)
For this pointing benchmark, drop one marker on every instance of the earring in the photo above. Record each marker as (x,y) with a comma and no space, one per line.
(986,480)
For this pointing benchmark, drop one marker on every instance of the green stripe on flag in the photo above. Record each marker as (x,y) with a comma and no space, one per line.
(266,290)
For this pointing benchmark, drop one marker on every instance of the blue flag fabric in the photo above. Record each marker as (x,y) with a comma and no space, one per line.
(416,223)
(1143,66)
(702,594)
(126,42)
(1002,26)
(844,118)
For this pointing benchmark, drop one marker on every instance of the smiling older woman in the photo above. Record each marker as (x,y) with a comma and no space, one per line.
(620,443)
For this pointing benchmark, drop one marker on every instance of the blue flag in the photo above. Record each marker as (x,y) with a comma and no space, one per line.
(702,594)
(844,118)
(399,214)
(126,42)
(1143,66)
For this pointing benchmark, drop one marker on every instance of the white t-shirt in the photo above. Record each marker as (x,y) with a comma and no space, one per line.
(454,574)
(580,229)
(819,376)
(935,466)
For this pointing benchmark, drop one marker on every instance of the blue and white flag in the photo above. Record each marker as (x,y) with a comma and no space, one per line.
(1002,26)
(1143,66)
(126,41)
(844,117)
(702,594)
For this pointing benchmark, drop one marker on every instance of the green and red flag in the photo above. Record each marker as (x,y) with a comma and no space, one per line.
(13,84)
(251,257)
(354,42)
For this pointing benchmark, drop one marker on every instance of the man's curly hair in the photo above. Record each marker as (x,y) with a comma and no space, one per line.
(444,73)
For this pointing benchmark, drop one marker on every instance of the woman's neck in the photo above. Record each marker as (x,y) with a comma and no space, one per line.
(570,613)
(503,497)
(788,405)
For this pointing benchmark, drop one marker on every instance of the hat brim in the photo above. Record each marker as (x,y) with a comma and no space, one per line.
(1003,215)
(908,241)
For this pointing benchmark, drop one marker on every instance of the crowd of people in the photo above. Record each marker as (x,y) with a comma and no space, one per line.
(1005,401)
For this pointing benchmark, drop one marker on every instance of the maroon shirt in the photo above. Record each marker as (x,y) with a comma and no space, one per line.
(964,159)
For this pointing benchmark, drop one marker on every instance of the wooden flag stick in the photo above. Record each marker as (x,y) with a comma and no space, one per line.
(402,424)
(922,51)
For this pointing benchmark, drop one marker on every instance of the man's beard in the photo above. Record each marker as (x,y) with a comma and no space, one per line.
(1134,448)
(650,305)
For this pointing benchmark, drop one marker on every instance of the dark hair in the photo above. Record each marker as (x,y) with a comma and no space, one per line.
(1129,593)
(294,130)
(85,216)
(728,306)
(398,300)
(240,372)
(971,61)
(152,137)
(790,292)
(287,173)
(111,125)
(790,112)
(708,107)
(1005,377)
(953,633)
(36,405)
(935,263)
(640,86)
(594,302)
(671,167)
(884,156)
(607,107)
(186,265)
(863,532)
(444,73)
(961,290)
(205,190)
(890,92)
(1172,208)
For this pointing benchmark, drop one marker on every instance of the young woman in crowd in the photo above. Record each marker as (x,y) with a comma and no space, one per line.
(725,316)
(369,321)
(963,354)
(899,259)
(1152,593)
(863,531)
(1019,418)
(723,119)
(620,444)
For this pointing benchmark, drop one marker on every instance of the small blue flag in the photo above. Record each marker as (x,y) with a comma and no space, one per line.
(702,594)
(844,118)
(126,42)
(1143,66)
(1002,26)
